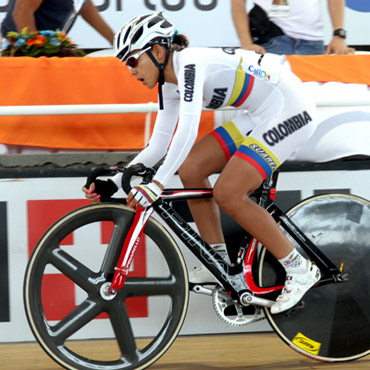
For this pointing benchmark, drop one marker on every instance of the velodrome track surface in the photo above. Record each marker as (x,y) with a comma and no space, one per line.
(257,351)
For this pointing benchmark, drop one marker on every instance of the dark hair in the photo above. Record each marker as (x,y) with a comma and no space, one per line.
(180,42)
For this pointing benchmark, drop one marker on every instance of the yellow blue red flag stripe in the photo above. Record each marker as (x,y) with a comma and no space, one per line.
(229,137)
(259,156)
(147,194)
(242,87)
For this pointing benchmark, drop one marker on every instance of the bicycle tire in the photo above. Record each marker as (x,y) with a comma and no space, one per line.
(334,324)
(168,288)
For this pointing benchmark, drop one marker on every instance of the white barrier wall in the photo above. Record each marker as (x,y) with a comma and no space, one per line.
(29,206)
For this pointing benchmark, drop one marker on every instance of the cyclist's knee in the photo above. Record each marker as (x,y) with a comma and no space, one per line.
(225,197)
(190,171)
(230,198)
(186,171)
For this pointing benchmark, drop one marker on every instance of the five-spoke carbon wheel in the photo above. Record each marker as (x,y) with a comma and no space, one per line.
(67,291)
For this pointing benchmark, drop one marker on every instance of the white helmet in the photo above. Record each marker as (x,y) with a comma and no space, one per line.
(141,32)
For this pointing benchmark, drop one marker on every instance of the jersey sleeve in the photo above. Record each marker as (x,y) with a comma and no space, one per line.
(164,128)
(190,83)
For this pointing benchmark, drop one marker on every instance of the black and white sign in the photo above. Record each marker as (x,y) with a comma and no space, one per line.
(205,22)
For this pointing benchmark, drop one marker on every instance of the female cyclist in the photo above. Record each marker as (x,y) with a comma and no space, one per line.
(280,117)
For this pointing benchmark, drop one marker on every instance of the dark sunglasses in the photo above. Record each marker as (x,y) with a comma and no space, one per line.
(132,61)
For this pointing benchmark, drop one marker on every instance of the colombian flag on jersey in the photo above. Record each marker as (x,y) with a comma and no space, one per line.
(242,87)
(259,156)
(229,137)
(250,149)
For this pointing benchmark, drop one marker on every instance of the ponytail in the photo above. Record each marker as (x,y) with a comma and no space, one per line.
(180,42)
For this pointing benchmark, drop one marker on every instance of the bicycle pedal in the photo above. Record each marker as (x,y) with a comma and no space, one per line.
(298,307)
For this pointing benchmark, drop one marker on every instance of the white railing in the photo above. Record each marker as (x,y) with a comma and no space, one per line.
(35,110)
(148,108)
(29,110)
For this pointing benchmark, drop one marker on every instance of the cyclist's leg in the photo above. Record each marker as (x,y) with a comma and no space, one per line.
(209,156)
(205,159)
(232,197)
(267,146)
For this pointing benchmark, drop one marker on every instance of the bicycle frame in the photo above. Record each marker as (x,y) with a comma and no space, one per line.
(329,324)
(236,280)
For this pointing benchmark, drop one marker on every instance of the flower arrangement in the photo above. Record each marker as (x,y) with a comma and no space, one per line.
(40,43)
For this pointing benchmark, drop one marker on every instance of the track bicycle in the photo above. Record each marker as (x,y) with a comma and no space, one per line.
(331,323)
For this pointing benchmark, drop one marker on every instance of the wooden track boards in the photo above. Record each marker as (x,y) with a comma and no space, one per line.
(257,351)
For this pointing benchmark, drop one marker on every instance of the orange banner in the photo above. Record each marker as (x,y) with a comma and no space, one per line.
(353,69)
(88,80)
(104,80)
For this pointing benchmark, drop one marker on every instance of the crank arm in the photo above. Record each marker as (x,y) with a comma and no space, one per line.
(247,299)
(200,289)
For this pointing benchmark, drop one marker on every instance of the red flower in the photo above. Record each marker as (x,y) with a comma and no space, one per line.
(40,40)
(31,41)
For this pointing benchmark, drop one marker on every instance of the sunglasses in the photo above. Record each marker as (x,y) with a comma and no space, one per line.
(132,61)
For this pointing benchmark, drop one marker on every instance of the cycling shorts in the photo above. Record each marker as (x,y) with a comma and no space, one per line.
(269,136)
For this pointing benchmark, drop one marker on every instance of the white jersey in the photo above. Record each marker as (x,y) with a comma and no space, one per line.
(300,19)
(216,78)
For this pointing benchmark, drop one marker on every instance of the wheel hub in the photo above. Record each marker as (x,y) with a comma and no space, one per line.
(106,292)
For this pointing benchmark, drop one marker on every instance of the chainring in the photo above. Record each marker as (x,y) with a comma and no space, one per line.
(232,312)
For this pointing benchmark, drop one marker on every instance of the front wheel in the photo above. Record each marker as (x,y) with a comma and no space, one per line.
(333,324)
(67,283)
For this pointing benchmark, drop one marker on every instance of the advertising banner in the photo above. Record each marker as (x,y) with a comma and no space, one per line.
(28,207)
(205,22)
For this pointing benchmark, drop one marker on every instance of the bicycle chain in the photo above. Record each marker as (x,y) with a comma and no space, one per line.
(222,300)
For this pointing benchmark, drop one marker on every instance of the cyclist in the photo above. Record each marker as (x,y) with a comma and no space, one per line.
(280,117)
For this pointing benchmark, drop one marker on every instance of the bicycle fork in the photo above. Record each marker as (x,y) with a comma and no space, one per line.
(128,251)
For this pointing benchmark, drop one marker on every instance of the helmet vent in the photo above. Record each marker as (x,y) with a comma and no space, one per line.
(142,18)
(118,39)
(166,24)
(126,35)
(154,21)
(137,34)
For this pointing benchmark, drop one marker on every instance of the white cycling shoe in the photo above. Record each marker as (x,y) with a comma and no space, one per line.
(296,286)
(201,275)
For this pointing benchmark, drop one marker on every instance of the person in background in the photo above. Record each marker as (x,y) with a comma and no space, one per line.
(289,26)
(40,15)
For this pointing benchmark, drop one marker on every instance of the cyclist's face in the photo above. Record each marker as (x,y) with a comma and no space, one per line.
(133,60)
(143,68)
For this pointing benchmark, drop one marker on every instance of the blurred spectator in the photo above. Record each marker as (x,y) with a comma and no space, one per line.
(53,15)
(289,26)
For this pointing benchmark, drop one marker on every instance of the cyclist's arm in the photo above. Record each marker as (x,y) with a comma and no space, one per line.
(161,137)
(190,84)
(162,133)
(183,140)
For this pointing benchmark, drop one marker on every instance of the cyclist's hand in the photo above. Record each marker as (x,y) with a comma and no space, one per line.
(105,188)
(144,194)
